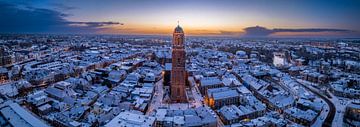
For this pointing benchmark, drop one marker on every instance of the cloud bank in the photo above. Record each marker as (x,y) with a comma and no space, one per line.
(259,31)
(16,19)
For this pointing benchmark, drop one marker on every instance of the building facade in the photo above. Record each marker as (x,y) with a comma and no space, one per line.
(352,114)
(178,73)
(6,57)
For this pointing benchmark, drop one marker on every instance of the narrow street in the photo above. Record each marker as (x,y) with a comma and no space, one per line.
(328,122)
(340,105)
(198,99)
(157,98)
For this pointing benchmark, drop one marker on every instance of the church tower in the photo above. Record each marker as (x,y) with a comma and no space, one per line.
(178,73)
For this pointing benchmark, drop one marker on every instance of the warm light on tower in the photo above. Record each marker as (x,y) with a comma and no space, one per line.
(178,73)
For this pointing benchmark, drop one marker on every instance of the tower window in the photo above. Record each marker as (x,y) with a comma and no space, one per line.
(178,61)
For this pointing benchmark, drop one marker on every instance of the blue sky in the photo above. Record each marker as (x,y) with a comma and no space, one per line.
(338,18)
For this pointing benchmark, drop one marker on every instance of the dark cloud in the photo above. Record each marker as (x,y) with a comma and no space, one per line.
(63,7)
(259,31)
(217,33)
(224,32)
(37,20)
(95,24)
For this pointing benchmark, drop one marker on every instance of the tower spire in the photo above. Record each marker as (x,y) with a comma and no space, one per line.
(178,23)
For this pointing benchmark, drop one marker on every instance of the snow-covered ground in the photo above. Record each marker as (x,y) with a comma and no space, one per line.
(157,98)
(340,104)
(198,99)
(320,119)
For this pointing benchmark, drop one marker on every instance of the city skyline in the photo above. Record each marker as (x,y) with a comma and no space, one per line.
(226,63)
(205,18)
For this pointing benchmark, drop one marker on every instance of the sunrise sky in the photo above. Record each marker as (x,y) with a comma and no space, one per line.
(270,18)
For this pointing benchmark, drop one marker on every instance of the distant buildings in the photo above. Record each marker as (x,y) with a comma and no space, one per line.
(241,55)
(233,114)
(314,76)
(60,90)
(219,97)
(352,114)
(17,116)
(84,81)
(201,116)
(129,119)
(6,56)
(302,117)
(4,75)
(346,87)
(270,120)
(274,96)
(279,59)
(207,83)
(163,56)
(248,108)
(116,76)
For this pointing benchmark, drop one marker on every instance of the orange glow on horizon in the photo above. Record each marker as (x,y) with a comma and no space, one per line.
(211,31)
(167,30)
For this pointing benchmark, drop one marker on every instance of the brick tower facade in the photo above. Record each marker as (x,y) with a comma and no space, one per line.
(178,73)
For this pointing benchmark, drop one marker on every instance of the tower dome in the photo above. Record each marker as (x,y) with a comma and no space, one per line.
(178,29)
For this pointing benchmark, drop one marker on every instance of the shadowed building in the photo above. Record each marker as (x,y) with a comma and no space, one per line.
(6,56)
(178,73)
